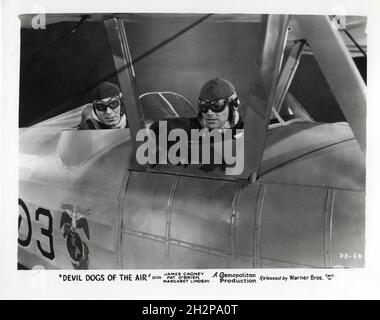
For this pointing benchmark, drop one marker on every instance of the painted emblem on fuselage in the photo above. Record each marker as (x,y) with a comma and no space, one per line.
(74,218)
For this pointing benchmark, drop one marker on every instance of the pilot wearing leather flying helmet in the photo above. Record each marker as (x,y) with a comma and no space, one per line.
(107,110)
(218,105)
(218,109)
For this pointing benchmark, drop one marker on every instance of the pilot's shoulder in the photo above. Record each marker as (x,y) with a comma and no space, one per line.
(87,117)
(239,124)
(86,125)
(87,110)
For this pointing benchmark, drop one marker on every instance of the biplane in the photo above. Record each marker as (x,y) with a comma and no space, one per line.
(85,203)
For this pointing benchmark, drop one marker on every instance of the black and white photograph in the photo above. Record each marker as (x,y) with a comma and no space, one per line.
(191,141)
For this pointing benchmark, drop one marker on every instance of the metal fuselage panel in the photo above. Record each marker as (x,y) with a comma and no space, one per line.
(314,154)
(90,191)
(139,219)
(224,224)
(306,211)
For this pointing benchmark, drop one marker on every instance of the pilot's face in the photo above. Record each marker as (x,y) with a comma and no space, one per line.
(216,120)
(108,111)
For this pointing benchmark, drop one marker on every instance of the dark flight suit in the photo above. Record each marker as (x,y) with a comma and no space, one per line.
(193,123)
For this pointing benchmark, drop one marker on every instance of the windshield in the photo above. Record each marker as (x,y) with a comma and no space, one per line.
(165,105)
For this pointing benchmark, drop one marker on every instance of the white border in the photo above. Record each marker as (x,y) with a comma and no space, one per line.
(348,284)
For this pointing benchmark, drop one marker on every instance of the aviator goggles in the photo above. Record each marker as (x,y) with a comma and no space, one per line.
(112,103)
(217,105)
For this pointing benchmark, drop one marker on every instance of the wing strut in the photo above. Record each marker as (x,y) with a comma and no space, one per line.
(339,69)
(272,37)
(287,74)
(126,75)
